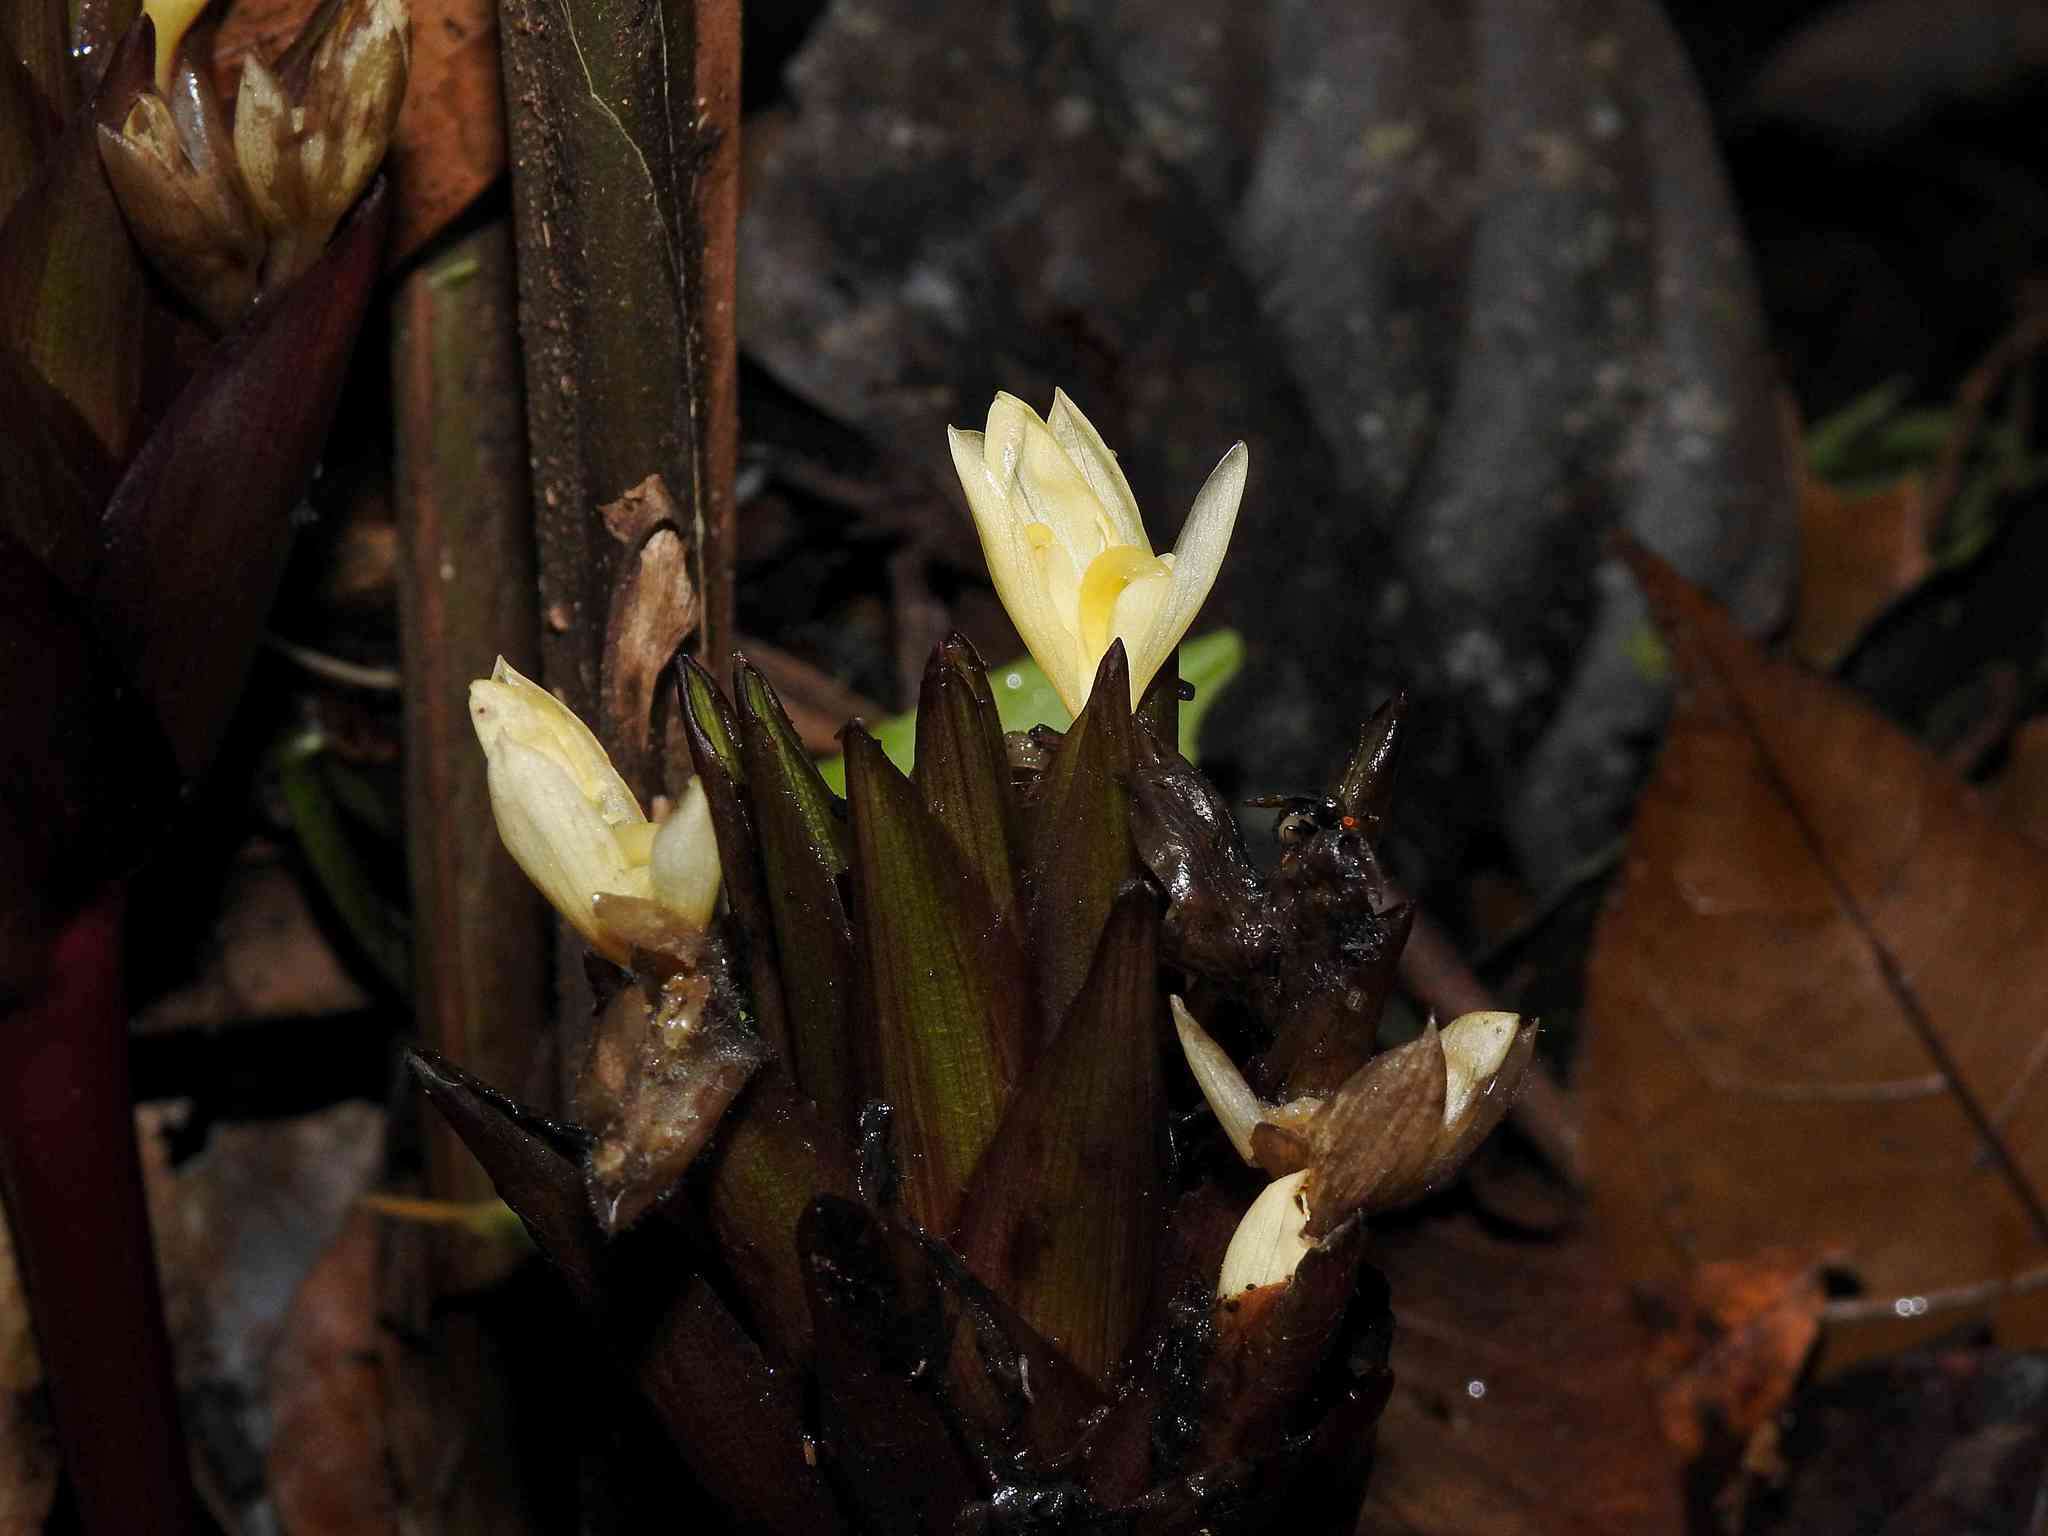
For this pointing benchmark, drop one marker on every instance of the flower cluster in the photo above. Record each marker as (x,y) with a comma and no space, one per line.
(911,1087)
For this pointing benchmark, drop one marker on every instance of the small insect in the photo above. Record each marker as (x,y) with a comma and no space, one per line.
(1303,816)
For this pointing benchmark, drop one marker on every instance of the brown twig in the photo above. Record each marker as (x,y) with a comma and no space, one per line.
(465,598)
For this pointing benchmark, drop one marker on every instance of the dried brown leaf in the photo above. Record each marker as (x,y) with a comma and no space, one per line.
(1735,1347)
(328,1469)
(1857,554)
(1816,997)
(1519,1404)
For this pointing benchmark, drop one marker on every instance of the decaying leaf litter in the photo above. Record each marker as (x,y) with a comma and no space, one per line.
(1888,589)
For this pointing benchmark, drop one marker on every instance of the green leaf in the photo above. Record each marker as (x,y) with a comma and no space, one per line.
(1081,851)
(946,1008)
(770,1160)
(1024,698)
(713,735)
(1062,1218)
(964,772)
(316,804)
(801,832)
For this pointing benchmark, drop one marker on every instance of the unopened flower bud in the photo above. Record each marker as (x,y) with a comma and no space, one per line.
(1397,1129)
(571,822)
(1486,1059)
(170,160)
(1271,1240)
(310,135)
(685,861)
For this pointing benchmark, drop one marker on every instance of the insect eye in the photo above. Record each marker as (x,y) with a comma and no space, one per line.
(1295,827)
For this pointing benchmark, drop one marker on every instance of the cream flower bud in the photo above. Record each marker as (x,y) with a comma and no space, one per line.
(1397,1129)
(563,812)
(685,862)
(1271,1240)
(1067,549)
(310,134)
(572,824)
(171,164)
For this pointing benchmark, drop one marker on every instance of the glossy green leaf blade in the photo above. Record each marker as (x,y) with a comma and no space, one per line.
(963,772)
(713,734)
(771,1159)
(195,537)
(737,1422)
(1024,697)
(1081,852)
(942,1009)
(801,830)
(1063,1215)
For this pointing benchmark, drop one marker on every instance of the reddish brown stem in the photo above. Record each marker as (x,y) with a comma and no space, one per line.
(73,1183)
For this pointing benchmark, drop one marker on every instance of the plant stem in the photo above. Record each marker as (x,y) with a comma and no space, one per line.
(624,132)
(73,1184)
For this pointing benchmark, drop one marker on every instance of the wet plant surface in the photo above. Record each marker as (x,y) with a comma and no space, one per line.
(899,1199)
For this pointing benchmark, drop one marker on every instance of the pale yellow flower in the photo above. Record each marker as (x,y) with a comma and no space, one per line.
(1067,549)
(570,822)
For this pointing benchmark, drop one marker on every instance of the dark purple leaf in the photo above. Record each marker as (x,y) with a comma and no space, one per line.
(195,537)
(771,1159)
(736,1420)
(880,1335)
(85,775)
(1081,852)
(963,771)
(942,1010)
(1063,1215)
(801,830)
(714,751)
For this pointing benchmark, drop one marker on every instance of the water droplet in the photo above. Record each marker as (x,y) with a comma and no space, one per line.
(1475,1389)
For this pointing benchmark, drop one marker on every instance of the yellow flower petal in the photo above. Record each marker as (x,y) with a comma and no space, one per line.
(173,19)
(1197,557)
(1098,466)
